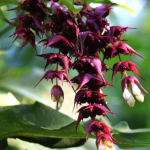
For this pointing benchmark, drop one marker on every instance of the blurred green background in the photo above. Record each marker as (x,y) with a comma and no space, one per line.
(20,70)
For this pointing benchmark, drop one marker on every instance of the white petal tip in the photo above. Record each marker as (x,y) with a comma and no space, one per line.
(140,98)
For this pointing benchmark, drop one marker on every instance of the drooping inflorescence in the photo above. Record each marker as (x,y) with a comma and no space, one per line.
(80,38)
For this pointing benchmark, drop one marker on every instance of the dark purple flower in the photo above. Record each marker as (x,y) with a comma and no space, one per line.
(26,35)
(55,74)
(123,66)
(60,15)
(29,21)
(114,34)
(92,41)
(60,42)
(89,65)
(34,7)
(91,97)
(88,80)
(91,111)
(97,127)
(105,141)
(70,30)
(121,48)
(62,60)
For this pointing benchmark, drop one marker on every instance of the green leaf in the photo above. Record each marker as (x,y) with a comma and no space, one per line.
(46,127)
(123,127)
(41,115)
(126,144)
(55,142)
(13,125)
(1,14)
(128,8)
(73,8)
(7,2)
(44,117)
(120,5)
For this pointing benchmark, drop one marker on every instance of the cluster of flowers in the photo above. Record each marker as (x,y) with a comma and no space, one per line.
(83,36)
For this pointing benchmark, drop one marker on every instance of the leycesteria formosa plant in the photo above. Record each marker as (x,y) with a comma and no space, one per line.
(80,39)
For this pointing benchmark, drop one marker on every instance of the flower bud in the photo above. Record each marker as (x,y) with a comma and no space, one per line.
(57,96)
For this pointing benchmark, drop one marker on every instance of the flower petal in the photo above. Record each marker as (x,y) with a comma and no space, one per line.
(140,98)
(126,94)
(131,101)
(136,91)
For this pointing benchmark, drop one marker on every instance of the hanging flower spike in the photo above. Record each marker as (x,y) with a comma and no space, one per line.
(57,96)
(128,82)
(104,142)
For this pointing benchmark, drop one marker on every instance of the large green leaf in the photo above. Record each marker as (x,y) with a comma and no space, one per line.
(41,115)
(126,144)
(12,125)
(7,2)
(46,120)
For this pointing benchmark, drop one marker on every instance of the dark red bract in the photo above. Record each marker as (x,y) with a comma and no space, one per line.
(26,35)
